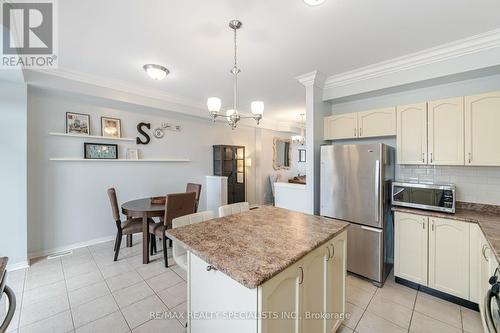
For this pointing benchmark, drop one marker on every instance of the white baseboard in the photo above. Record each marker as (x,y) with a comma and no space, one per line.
(43,253)
(17,265)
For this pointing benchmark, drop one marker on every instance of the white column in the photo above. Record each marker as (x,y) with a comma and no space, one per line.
(316,109)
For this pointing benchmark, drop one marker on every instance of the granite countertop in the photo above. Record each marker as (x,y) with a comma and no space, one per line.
(487,216)
(254,246)
(3,267)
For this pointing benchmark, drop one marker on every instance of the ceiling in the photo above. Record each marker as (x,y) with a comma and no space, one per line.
(280,40)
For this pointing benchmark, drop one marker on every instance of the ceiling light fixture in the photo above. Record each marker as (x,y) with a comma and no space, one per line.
(214,103)
(313,2)
(156,72)
(300,139)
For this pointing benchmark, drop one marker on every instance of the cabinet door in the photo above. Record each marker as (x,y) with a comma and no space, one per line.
(335,291)
(282,295)
(380,122)
(449,256)
(485,263)
(474,263)
(482,116)
(314,286)
(410,247)
(343,126)
(446,132)
(412,134)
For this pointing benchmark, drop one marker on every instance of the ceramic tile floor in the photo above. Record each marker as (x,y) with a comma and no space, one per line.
(88,292)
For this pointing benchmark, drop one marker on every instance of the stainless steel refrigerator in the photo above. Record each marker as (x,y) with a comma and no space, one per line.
(355,187)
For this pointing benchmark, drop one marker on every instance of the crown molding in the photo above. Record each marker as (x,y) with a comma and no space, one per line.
(314,78)
(466,46)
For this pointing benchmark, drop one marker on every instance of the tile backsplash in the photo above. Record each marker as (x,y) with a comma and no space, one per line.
(474,184)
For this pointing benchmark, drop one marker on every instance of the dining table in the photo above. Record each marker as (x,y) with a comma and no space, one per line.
(143,208)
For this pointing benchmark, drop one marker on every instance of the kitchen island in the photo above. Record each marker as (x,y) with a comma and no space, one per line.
(265,270)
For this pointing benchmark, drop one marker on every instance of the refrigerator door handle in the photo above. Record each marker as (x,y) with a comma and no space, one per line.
(371,229)
(377,190)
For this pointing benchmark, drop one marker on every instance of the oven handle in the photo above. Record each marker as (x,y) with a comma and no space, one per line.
(487,316)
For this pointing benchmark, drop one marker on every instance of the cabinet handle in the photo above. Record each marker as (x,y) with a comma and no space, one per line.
(423,157)
(360,131)
(301,275)
(211,268)
(329,253)
(470,157)
(355,131)
(432,225)
(431,157)
(333,250)
(423,225)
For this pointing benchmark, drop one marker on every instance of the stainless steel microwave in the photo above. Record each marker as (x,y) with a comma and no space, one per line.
(425,196)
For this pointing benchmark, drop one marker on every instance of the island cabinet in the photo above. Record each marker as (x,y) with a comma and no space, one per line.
(307,297)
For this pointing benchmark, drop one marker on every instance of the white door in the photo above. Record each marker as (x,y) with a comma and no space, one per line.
(282,295)
(380,122)
(449,256)
(410,247)
(482,134)
(314,286)
(343,126)
(446,132)
(412,134)
(335,291)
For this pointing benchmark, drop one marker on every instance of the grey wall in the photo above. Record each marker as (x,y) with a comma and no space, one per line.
(13,225)
(474,184)
(67,200)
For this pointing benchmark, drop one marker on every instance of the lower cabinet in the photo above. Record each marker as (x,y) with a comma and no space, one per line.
(307,297)
(433,252)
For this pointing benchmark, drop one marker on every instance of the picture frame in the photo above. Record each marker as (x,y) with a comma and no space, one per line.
(78,123)
(100,151)
(132,154)
(302,155)
(111,127)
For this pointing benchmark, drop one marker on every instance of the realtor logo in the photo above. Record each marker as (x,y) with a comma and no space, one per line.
(29,34)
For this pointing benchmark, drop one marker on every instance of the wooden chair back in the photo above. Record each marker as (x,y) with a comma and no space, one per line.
(196,188)
(178,204)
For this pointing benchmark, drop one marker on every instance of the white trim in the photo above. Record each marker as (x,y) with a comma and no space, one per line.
(448,51)
(143,160)
(316,78)
(18,265)
(43,253)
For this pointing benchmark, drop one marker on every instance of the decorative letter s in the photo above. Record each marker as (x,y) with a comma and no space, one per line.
(141,131)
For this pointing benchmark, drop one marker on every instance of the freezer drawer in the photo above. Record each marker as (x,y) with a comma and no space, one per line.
(365,251)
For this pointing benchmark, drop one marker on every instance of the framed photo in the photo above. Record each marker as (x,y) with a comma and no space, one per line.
(302,155)
(132,154)
(100,151)
(77,123)
(111,127)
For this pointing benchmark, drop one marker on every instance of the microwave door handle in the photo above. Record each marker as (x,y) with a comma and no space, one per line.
(377,190)
(398,192)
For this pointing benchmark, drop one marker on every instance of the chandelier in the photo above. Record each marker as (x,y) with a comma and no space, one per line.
(232,115)
(301,139)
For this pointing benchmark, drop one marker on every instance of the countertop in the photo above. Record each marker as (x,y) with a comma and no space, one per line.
(486,216)
(254,246)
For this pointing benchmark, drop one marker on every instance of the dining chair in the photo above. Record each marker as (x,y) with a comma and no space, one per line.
(191,187)
(129,227)
(177,205)
(180,253)
(9,293)
(235,208)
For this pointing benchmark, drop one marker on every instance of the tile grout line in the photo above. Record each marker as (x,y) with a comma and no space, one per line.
(364,311)
(22,300)
(111,293)
(67,296)
(412,311)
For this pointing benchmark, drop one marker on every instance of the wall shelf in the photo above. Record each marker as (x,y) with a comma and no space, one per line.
(152,160)
(69,135)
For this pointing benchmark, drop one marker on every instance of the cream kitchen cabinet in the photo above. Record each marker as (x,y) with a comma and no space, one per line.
(371,123)
(343,126)
(482,134)
(446,132)
(379,122)
(433,252)
(412,134)
(449,256)
(411,247)
(314,286)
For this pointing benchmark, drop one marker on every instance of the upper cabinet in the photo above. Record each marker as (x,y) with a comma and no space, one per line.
(379,122)
(343,126)
(412,134)
(482,134)
(446,132)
